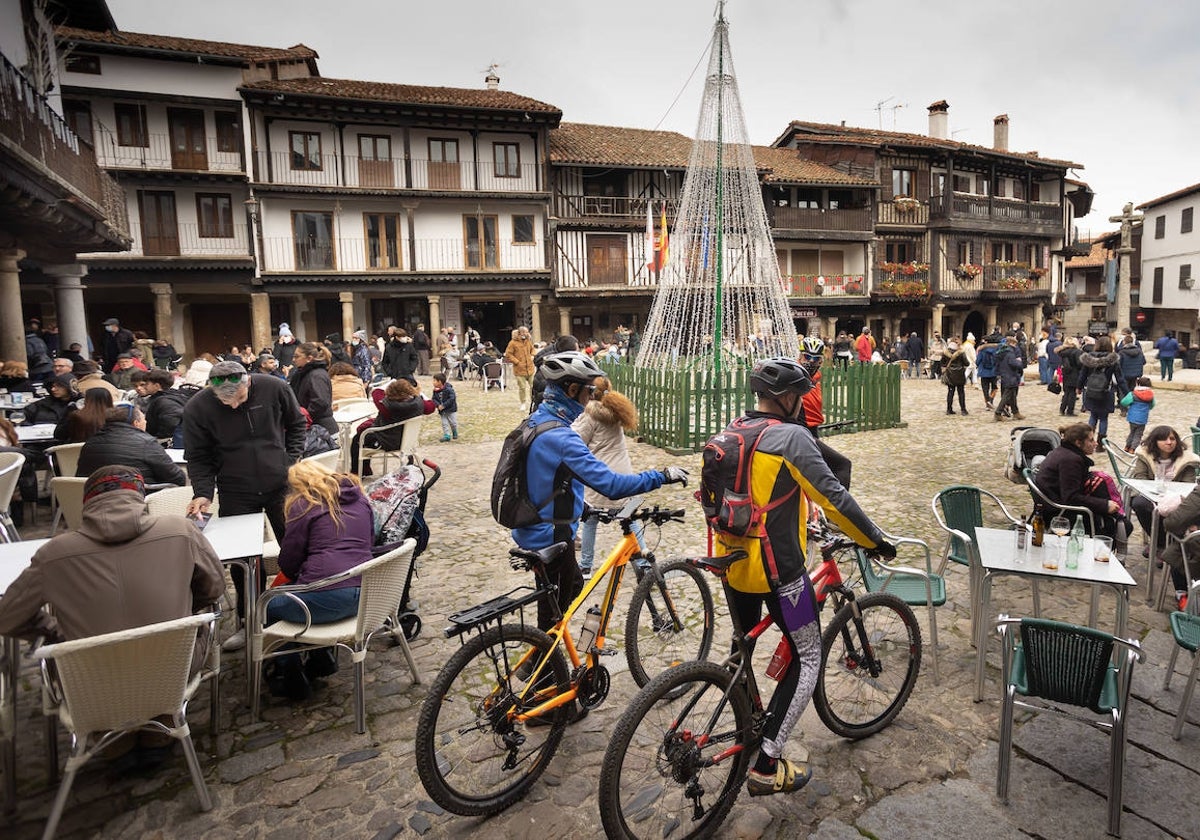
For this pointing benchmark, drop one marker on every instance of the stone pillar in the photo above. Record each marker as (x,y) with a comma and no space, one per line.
(260,319)
(435,315)
(564,320)
(68,300)
(12,323)
(347,301)
(535,315)
(992,314)
(936,325)
(163,315)
(830,329)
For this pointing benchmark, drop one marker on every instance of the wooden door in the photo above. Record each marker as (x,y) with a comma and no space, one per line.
(187,138)
(217,326)
(375,161)
(160,229)
(608,263)
(444,170)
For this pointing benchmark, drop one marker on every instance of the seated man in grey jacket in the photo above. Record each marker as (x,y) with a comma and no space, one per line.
(1180,521)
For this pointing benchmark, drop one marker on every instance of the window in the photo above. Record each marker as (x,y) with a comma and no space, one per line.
(523,230)
(1185,220)
(479,242)
(508,160)
(937,183)
(962,183)
(902,182)
(313,236)
(229,131)
(78,115)
(1018,191)
(89,64)
(1158,285)
(160,231)
(964,253)
(1002,252)
(810,197)
(983,185)
(1001,190)
(383,242)
(1035,192)
(375,161)
(306,150)
(899,251)
(1185,276)
(131,125)
(1160,227)
(444,171)
(214,215)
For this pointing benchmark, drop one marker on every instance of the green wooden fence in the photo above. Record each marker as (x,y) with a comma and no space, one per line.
(681,409)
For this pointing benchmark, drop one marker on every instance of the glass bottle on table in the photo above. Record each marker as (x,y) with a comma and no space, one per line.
(1039,528)
(1075,544)
(1059,526)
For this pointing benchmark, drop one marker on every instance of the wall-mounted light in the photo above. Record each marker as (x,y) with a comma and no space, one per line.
(252,206)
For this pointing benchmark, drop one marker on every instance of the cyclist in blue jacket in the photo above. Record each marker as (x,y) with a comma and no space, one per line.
(559,464)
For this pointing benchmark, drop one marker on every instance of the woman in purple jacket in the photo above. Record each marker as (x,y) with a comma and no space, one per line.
(329,530)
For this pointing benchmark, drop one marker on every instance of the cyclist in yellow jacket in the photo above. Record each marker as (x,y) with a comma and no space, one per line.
(786,473)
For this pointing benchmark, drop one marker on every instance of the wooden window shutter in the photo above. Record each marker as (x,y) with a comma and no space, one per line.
(885,180)
(921,188)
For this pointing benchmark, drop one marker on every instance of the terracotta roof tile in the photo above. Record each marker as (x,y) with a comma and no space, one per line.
(1096,256)
(1163,199)
(827,133)
(606,145)
(406,94)
(191,46)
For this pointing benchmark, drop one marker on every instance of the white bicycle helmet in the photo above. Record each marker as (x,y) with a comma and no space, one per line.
(813,345)
(571,366)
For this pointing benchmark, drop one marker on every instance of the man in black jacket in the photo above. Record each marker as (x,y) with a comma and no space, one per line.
(123,440)
(240,435)
(116,342)
(400,358)
(164,413)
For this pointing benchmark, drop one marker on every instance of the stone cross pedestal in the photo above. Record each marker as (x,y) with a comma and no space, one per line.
(1127,219)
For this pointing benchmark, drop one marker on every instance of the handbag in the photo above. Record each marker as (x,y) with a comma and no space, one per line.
(1054,388)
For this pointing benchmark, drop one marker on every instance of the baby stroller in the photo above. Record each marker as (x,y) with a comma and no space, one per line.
(1026,450)
(398,505)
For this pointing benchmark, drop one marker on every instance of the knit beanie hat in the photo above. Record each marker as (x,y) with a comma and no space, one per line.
(285,330)
(197,373)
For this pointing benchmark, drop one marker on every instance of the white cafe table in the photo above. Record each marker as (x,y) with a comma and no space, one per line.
(40,433)
(346,418)
(1152,491)
(176,456)
(998,556)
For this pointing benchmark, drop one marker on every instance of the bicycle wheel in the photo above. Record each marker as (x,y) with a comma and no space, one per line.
(659,778)
(472,757)
(849,700)
(670,620)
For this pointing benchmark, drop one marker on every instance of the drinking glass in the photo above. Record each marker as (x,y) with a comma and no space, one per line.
(1103,546)
(1060,526)
(1160,476)
(16,417)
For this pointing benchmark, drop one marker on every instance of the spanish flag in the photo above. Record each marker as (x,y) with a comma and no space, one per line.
(661,247)
(651,247)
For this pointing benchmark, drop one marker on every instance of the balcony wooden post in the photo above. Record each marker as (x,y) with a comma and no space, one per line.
(68,302)
(12,326)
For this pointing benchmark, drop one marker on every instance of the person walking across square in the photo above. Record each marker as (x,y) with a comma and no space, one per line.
(1137,404)
(447,406)
(519,354)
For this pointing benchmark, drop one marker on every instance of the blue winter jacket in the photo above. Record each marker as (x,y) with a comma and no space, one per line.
(1010,366)
(562,447)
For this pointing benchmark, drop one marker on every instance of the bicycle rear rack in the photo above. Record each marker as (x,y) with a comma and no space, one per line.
(492,611)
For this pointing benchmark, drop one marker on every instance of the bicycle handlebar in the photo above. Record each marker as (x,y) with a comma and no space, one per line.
(656,515)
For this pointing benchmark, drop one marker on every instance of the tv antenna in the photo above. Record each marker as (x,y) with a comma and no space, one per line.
(882,106)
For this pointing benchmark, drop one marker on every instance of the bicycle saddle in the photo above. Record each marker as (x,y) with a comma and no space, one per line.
(544,557)
(718,565)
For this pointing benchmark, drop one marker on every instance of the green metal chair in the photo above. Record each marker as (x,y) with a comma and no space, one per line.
(913,586)
(1067,665)
(1195,430)
(1185,627)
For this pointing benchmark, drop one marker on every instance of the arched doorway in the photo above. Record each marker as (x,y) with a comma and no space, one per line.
(975,324)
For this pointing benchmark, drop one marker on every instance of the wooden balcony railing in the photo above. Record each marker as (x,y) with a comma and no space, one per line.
(160,154)
(804,218)
(353,171)
(610,207)
(360,255)
(29,123)
(903,211)
(988,208)
(825,285)
(1016,278)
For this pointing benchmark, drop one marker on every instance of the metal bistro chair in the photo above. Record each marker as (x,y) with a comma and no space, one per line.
(118,683)
(1122,465)
(1185,627)
(1064,664)
(379,597)
(1189,547)
(959,510)
(11,464)
(1040,499)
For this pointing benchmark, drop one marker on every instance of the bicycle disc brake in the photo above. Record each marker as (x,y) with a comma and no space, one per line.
(593,687)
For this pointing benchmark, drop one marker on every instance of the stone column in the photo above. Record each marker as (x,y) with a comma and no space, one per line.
(68,300)
(564,320)
(347,301)
(12,324)
(830,329)
(936,326)
(163,316)
(435,315)
(992,314)
(260,319)
(535,315)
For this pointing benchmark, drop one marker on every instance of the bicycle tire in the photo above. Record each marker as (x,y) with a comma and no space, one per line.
(647,770)
(461,751)
(849,701)
(659,636)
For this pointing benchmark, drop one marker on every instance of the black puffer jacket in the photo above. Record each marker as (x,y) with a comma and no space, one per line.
(1109,367)
(119,443)
(314,392)
(165,412)
(46,410)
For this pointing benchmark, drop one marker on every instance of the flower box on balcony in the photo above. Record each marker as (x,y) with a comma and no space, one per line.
(905,205)
(854,287)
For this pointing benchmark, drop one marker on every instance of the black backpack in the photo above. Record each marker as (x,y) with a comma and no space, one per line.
(724,492)
(1096,385)
(511,505)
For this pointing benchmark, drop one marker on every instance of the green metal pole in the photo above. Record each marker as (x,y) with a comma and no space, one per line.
(720,214)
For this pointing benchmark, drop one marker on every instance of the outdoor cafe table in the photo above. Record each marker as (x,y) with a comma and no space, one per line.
(998,556)
(235,539)
(41,433)
(346,417)
(1151,490)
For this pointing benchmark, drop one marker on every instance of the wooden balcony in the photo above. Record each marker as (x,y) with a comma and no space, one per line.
(1006,280)
(805,218)
(1007,213)
(288,169)
(825,285)
(903,211)
(38,141)
(161,155)
(284,254)
(610,208)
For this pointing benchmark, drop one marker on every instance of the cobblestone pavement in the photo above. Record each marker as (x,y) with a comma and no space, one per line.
(301,771)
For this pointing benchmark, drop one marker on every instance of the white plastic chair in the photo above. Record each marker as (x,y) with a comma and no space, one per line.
(379,597)
(11,464)
(120,682)
(68,496)
(491,374)
(410,435)
(66,458)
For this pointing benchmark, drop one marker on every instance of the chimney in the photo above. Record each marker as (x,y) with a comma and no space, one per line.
(492,80)
(939,120)
(1000,133)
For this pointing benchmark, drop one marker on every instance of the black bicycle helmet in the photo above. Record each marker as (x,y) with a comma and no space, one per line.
(568,367)
(776,377)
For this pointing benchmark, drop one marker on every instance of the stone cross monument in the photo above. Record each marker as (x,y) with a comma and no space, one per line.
(1127,219)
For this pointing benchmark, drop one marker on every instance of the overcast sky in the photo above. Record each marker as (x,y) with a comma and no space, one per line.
(1107,84)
